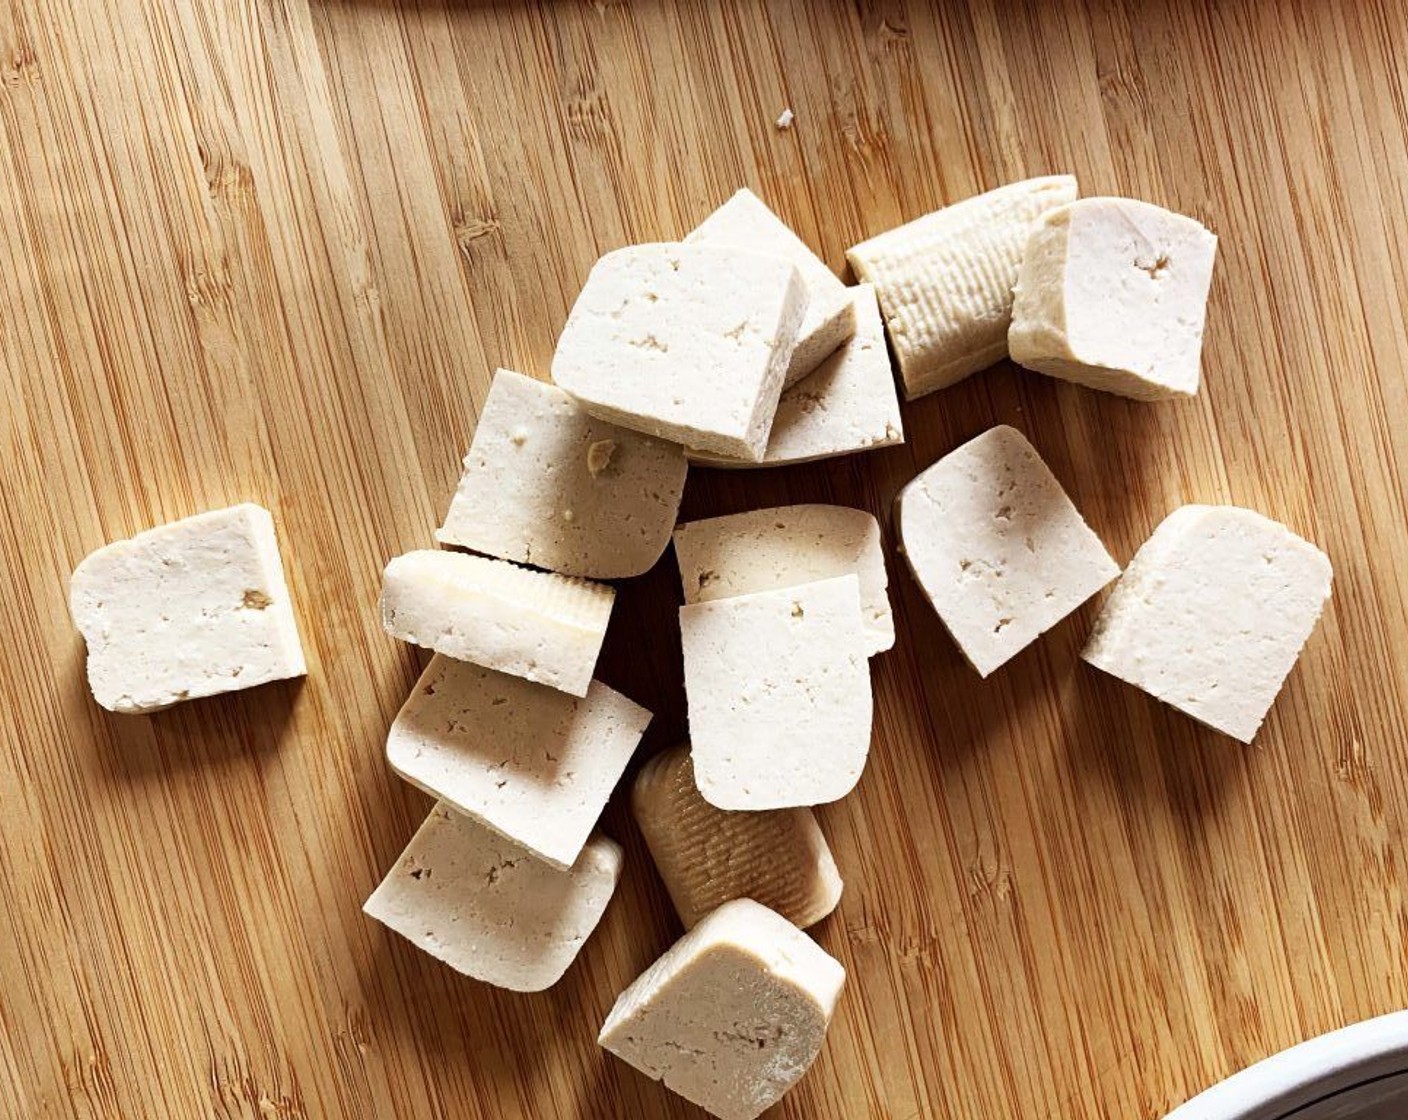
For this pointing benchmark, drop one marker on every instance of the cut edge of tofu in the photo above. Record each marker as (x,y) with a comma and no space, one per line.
(1107,571)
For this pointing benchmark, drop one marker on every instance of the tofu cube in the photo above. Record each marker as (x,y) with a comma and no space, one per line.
(1212,614)
(998,547)
(847,404)
(732,1015)
(534,764)
(193,608)
(746,222)
(537,625)
(778,689)
(687,342)
(487,908)
(1113,294)
(708,857)
(763,549)
(548,484)
(945,280)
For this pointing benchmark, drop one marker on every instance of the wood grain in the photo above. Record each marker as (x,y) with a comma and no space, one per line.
(271,250)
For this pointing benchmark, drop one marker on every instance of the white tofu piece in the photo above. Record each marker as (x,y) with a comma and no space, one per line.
(538,625)
(998,547)
(686,342)
(847,404)
(778,689)
(707,856)
(485,907)
(945,280)
(746,222)
(1113,294)
(733,1014)
(534,764)
(763,549)
(193,608)
(1212,614)
(548,484)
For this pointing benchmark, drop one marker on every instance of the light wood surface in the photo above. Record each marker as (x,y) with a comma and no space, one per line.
(271,250)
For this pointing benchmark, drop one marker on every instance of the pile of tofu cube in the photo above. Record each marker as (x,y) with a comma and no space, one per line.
(738,347)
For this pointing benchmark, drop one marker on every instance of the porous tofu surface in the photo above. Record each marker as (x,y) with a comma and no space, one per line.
(488,908)
(778,691)
(529,761)
(763,549)
(686,342)
(1113,294)
(548,484)
(733,1014)
(747,222)
(193,608)
(1212,613)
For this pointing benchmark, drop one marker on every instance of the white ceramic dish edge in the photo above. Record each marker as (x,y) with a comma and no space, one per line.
(1306,1073)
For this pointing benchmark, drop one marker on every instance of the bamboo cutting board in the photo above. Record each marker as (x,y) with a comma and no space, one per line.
(271,250)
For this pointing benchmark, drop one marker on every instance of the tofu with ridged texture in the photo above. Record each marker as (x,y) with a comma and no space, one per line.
(538,625)
(533,763)
(732,1015)
(1212,613)
(847,404)
(1113,294)
(778,691)
(193,608)
(548,484)
(690,343)
(998,547)
(746,221)
(783,546)
(489,909)
(945,280)
(707,856)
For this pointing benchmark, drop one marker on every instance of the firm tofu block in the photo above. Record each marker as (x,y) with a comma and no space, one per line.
(945,280)
(1113,294)
(193,608)
(733,1014)
(708,857)
(764,549)
(778,688)
(548,484)
(1212,613)
(847,404)
(532,763)
(687,342)
(746,222)
(488,909)
(998,547)
(538,625)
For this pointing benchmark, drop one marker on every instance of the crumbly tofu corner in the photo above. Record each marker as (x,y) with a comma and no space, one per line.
(1212,613)
(733,1014)
(193,608)
(489,909)
(998,547)
(689,343)
(538,625)
(1113,294)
